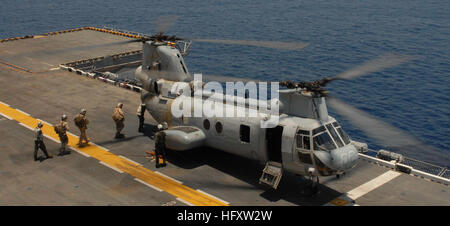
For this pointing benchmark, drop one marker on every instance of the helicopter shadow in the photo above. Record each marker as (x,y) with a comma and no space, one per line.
(292,188)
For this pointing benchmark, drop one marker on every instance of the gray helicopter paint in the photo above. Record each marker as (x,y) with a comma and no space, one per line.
(303,105)
(184,138)
(169,60)
(299,111)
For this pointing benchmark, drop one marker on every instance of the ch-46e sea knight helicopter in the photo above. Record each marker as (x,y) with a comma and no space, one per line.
(305,141)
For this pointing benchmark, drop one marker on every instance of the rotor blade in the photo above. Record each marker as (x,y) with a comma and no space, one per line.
(377,64)
(388,135)
(266,44)
(163,23)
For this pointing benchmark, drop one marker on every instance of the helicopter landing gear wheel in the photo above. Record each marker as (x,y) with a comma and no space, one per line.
(314,185)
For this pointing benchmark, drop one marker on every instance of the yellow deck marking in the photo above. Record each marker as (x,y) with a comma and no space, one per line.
(170,186)
(339,202)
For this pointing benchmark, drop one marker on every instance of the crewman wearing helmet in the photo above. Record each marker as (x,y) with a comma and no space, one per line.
(39,142)
(81,122)
(118,118)
(62,132)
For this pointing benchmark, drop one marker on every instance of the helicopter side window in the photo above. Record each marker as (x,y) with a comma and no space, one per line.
(334,135)
(341,132)
(303,140)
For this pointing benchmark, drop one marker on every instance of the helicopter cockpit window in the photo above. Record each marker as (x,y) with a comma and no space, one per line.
(303,140)
(323,141)
(334,135)
(341,132)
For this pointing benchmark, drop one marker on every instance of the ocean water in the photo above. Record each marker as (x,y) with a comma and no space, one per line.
(413,97)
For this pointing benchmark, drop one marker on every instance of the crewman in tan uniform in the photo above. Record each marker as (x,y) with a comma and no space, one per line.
(63,127)
(81,122)
(118,118)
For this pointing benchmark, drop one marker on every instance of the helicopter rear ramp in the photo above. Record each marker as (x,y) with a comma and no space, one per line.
(117,172)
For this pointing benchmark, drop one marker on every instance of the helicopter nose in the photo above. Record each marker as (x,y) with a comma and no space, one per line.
(344,158)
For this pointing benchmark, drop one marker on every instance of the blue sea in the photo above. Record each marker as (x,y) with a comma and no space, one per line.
(413,97)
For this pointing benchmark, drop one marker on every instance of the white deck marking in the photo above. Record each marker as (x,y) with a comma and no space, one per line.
(114,168)
(53,139)
(168,177)
(4,104)
(23,112)
(80,152)
(372,185)
(100,147)
(25,126)
(213,196)
(145,183)
(348,198)
(185,202)
(5,116)
(130,160)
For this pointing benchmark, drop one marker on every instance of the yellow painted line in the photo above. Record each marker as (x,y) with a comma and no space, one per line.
(172,187)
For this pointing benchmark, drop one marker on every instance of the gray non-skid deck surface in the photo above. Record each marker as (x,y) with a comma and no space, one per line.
(77,180)
(38,54)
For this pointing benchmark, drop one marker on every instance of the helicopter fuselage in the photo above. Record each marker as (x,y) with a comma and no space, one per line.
(305,139)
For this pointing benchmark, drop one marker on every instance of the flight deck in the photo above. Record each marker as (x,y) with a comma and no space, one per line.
(40,82)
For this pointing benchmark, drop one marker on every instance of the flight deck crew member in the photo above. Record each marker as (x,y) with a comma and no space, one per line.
(160,148)
(81,122)
(140,114)
(119,117)
(39,142)
(63,127)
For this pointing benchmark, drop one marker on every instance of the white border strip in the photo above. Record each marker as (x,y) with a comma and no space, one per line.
(22,112)
(168,177)
(6,116)
(145,183)
(25,126)
(185,202)
(100,147)
(51,138)
(80,152)
(212,196)
(130,160)
(5,103)
(114,168)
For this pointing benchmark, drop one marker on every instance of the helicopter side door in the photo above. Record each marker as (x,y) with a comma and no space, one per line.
(303,154)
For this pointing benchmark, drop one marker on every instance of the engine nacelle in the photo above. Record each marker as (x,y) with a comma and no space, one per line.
(148,83)
(183,138)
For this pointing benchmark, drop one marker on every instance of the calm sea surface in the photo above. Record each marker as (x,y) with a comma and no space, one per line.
(413,97)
